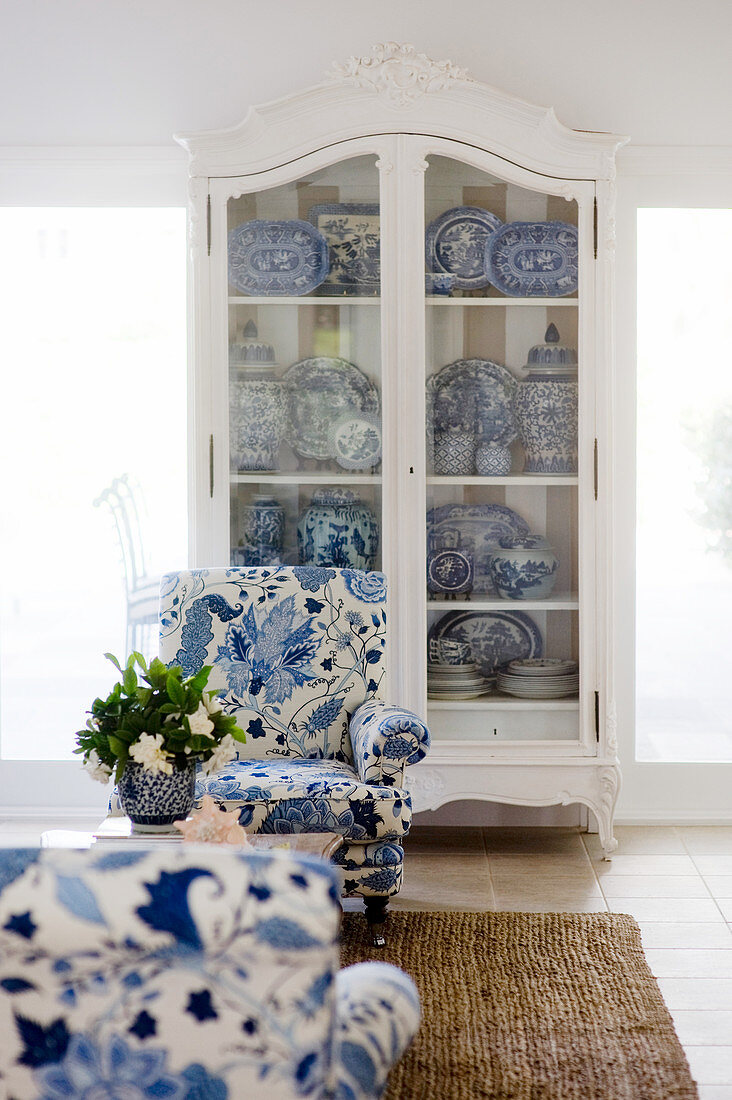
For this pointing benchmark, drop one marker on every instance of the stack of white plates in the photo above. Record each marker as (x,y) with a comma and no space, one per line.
(456,681)
(540,678)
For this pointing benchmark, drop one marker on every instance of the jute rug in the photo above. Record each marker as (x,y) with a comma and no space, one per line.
(529,1006)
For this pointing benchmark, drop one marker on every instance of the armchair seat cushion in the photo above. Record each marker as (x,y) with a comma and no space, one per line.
(293,795)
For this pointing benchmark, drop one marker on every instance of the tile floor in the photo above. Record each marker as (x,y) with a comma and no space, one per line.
(676,882)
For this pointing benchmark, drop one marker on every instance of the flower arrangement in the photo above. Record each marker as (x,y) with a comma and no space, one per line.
(163,722)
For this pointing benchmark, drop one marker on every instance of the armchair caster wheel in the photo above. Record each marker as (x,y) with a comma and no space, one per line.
(376,917)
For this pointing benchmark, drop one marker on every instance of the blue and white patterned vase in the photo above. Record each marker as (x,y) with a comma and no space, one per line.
(256,404)
(492,460)
(154,800)
(257,555)
(546,405)
(263,522)
(524,568)
(338,529)
(454,452)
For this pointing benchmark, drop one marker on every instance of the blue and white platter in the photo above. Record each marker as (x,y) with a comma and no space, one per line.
(456,241)
(353,233)
(533,259)
(355,440)
(474,391)
(277,257)
(477,529)
(494,637)
(317,393)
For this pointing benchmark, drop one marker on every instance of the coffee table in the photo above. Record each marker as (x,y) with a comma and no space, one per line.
(118,830)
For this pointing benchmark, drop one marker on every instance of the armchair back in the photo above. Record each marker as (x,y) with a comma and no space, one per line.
(294,650)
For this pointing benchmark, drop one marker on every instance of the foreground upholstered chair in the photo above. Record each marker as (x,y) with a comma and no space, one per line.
(190,973)
(298,655)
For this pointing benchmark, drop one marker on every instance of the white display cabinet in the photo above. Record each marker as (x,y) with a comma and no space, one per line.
(312,225)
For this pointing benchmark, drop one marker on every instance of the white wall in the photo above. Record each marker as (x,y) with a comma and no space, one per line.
(132,72)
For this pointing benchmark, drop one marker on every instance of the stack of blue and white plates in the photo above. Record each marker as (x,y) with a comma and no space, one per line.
(539,678)
(456,681)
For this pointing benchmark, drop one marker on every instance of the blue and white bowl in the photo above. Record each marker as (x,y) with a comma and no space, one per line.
(524,568)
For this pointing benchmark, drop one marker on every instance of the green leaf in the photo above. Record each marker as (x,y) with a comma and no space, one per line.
(129,679)
(118,747)
(176,692)
(111,657)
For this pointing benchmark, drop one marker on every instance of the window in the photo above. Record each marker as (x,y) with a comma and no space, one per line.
(93,387)
(684,486)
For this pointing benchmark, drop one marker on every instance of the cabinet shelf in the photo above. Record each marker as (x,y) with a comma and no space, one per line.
(375,300)
(559,601)
(271,478)
(507,479)
(504,702)
(305,300)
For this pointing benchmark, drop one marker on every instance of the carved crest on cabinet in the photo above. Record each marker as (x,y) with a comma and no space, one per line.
(398,73)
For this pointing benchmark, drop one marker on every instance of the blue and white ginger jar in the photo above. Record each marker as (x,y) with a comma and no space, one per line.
(454,452)
(153,800)
(524,568)
(256,404)
(338,529)
(263,522)
(546,405)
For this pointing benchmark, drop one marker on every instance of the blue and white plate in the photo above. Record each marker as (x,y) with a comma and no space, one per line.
(277,257)
(353,233)
(477,529)
(317,393)
(476,392)
(456,243)
(355,440)
(494,637)
(533,259)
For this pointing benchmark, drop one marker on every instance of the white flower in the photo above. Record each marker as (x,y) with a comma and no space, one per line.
(223,754)
(96,768)
(212,703)
(199,722)
(148,751)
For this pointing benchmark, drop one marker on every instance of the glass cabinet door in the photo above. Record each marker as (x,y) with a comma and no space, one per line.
(502,382)
(304,370)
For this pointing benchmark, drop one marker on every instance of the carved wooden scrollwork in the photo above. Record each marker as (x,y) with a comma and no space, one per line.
(398,73)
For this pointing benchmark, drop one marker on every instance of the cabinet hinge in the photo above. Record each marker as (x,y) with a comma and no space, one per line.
(594,227)
(595,467)
(597,716)
(208,225)
(210,465)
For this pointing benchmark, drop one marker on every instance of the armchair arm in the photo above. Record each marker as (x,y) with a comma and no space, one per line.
(377,1016)
(385,739)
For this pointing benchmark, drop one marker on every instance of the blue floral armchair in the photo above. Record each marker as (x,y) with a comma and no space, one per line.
(298,655)
(189,973)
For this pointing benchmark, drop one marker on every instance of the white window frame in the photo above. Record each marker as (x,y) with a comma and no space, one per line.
(652,177)
(79,177)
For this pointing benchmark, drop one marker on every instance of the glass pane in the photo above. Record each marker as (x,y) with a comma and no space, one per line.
(305,370)
(684,494)
(501,438)
(94,388)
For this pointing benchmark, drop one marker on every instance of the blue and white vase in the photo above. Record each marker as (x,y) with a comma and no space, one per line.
(492,460)
(338,529)
(454,452)
(524,568)
(263,522)
(546,405)
(256,404)
(154,800)
(259,554)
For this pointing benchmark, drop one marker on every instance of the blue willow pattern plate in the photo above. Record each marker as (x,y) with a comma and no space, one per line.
(455,243)
(317,393)
(353,233)
(475,393)
(277,257)
(355,440)
(477,529)
(494,637)
(533,259)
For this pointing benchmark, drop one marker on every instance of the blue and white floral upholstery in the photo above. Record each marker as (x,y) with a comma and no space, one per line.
(298,655)
(187,973)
